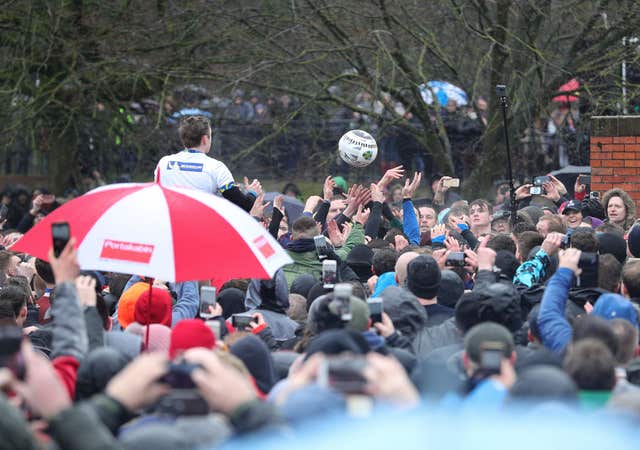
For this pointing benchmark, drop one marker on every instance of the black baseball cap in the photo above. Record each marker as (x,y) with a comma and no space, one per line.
(573,205)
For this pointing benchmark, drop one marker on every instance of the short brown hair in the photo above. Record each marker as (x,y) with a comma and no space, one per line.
(631,277)
(191,130)
(591,365)
(304,227)
(555,223)
(482,203)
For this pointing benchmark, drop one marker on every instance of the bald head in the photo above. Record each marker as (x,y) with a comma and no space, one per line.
(401,266)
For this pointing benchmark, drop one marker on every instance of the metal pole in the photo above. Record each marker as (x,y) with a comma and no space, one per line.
(501,90)
(624,78)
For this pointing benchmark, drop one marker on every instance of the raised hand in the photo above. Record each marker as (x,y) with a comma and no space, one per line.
(327,188)
(410,187)
(376,193)
(257,210)
(278,203)
(65,267)
(390,175)
(362,215)
(336,236)
(86,288)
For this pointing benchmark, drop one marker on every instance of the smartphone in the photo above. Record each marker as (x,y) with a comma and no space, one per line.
(344,374)
(491,361)
(183,402)
(329,273)
(595,195)
(241,321)
(60,233)
(453,182)
(4,211)
(342,300)
(214,325)
(455,259)
(584,179)
(375,309)
(179,375)
(207,299)
(536,190)
(539,181)
(321,246)
(501,90)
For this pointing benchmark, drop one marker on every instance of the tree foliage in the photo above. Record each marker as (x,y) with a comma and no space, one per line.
(64,58)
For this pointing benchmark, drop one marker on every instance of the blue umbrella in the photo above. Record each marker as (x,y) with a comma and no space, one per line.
(445,91)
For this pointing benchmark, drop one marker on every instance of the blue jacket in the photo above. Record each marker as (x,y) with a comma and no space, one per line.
(532,271)
(555,329)
(410,224)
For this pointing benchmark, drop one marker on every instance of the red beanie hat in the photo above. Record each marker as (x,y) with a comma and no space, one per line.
(154,308)
(188,334)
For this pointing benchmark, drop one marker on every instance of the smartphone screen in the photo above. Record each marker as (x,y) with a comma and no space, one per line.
(60,234)
(375,309)
(329,273)
(207,299)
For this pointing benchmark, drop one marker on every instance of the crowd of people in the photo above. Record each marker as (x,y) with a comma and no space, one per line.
(119,144)
(395,302)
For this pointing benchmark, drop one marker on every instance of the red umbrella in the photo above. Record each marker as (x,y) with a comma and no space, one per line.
(172,234)
(569,87)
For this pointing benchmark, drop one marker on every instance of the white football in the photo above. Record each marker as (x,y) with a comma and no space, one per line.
(357,148)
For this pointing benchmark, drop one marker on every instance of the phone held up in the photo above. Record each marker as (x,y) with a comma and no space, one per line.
(60,234)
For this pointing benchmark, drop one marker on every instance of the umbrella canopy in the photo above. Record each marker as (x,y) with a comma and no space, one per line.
(445,91)
(569,87)
(172,234)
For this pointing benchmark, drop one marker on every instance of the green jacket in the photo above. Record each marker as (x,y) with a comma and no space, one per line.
(308,262)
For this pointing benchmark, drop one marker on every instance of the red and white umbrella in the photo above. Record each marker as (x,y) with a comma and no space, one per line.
(172,234)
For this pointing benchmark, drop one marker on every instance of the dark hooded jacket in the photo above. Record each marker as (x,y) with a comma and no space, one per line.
(97,369)
(256,357)
(271,299)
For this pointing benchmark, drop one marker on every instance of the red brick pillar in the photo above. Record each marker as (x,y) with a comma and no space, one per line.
(615,154)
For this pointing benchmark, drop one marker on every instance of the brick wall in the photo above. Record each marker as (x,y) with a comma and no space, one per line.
(615,154)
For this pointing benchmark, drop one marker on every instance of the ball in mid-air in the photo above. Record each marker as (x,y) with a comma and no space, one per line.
(357,148)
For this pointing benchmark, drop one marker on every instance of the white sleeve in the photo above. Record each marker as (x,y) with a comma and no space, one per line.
(224,179)
(156,172)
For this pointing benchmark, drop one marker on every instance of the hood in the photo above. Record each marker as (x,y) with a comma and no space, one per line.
(97,369)
(232,301)
(303,284)
(544,383)
(335,342)
(404,310)
(256,357)
(321,317)
(580,296)
(270,294)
